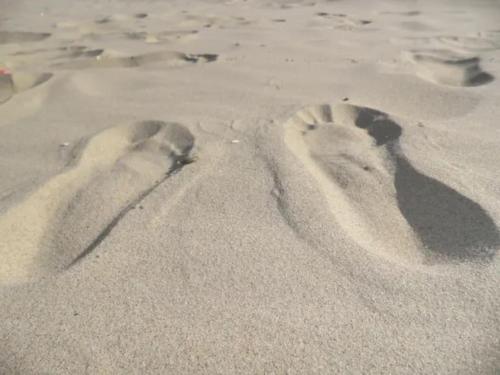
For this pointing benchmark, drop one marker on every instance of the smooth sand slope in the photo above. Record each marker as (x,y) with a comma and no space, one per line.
(249,187)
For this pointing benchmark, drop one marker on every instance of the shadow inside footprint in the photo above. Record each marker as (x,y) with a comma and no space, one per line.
(447,223)
(378,126)
(481,79)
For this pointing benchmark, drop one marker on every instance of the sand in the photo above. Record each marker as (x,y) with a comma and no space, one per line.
(254,187)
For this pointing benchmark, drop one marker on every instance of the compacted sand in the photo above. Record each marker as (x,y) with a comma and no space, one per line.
(249,186)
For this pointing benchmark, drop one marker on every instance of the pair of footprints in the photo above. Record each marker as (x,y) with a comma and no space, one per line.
(377,197)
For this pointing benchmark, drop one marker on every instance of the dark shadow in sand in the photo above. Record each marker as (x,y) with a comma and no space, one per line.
(481,79)
(42,78)
(378,126)
(449,224)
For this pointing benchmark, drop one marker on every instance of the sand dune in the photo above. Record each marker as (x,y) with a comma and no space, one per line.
(108,175)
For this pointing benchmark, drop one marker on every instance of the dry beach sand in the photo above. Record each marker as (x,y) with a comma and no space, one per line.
(249,186)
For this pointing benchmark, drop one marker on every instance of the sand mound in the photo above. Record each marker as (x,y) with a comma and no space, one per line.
(378,197)
(448,68)
(72,213)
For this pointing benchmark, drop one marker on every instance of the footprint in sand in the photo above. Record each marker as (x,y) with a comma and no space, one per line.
(342,21)
(199,21)
(21,37)
(447,68)
(163,36)
(13,83)
(71,214)
(377,196)
(111,59)
(121,18)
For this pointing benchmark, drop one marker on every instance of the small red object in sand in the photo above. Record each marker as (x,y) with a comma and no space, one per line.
(4,72)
